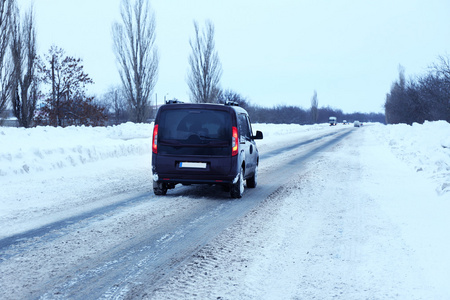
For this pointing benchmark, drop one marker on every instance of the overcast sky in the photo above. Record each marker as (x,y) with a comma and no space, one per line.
(272,52)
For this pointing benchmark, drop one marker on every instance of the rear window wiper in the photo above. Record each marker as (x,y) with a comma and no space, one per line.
(208,138)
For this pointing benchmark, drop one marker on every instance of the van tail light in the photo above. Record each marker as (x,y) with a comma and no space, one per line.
(234,142)
(155,139)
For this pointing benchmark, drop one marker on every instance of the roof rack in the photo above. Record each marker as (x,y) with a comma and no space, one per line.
(231,103)
(173,101)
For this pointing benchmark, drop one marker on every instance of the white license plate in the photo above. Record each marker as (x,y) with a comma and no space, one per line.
(197,165)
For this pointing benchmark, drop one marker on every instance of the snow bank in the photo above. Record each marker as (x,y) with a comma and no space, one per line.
(426,148)
(30,151)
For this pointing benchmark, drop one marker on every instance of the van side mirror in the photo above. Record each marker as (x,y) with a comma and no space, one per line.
(258,136)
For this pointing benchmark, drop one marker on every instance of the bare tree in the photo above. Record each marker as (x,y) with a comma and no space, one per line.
(116,105)
(438,92)
(442,69)
(136,53)
(232,96)
(67,81)
(314,108)
(6,8)
(205,67)
(24,94)
(396,101)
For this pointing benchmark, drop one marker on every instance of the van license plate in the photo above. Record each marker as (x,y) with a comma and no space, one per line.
(197,165)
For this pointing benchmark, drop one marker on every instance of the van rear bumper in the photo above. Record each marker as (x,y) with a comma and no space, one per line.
(186,179)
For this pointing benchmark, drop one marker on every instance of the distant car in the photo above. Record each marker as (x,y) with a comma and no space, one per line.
(356,124)
(344,122)
(332,121)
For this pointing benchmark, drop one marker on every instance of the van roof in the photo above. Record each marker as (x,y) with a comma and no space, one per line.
(227,106)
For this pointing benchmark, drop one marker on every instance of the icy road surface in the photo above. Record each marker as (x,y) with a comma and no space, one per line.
(324,222)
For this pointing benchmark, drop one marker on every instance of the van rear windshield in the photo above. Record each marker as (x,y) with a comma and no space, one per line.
(195,127)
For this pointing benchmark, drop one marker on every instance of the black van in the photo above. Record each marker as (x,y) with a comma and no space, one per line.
(204,144)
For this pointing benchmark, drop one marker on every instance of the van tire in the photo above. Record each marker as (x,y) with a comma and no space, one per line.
(237,189)
(252,182)
(159,189)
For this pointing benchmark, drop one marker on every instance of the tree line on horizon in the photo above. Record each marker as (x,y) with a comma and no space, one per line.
(291,114)
(64,100)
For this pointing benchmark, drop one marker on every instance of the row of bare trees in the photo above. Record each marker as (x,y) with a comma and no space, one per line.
(23,72)
(66,102)
(136,52)
(424,98)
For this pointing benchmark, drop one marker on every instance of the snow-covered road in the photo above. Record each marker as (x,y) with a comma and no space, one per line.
(365,218)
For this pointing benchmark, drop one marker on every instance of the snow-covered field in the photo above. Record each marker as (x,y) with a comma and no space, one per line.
(380,201)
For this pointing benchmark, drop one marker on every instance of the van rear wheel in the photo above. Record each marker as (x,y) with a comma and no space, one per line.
(237,189)
(253,181)
(159,188)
